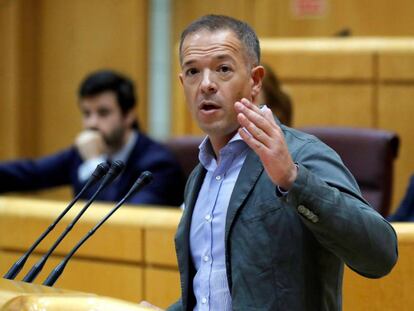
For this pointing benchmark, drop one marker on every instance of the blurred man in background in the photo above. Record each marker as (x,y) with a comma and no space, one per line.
(107,102)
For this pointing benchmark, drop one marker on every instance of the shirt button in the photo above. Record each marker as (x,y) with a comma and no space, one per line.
(206,258)
(207,217)
(204,300)
(218,177)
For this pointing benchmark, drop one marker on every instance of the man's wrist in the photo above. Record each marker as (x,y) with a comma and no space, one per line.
(282,191)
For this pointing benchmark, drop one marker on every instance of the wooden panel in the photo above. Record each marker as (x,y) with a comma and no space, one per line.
(162,286)
(396,66)
(276,18)
(331,59)
(395,112)
(361,18)
(113,279)
(394,291)
(76,37)
(8,72)
(34,216)
(332,105)
(159,246)
(184,12)
(17,111)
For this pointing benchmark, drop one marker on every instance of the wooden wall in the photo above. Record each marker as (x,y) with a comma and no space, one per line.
(276,18)
(47,47)
(16,79)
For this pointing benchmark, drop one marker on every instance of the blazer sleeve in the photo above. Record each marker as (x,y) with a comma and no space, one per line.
(176,306)
(36,174)
(167,186)
(327,198)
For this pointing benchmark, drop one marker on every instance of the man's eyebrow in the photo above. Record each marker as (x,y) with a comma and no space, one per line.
(188,63)
(215,57)
(223,56)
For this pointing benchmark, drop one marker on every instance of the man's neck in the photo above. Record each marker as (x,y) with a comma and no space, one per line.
(218,142)
(116,149)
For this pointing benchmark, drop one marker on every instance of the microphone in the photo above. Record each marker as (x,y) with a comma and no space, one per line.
(113,172)
(144,179)
(99,172)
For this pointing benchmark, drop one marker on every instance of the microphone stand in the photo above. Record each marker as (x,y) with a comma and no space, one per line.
(143,179)
(100,171)
(114,171)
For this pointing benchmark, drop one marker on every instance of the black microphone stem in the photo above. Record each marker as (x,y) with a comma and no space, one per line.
(38,266)
(18,265)
(143,180)
(51,279)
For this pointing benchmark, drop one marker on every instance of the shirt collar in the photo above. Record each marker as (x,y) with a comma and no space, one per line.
(235,145)
(207,157)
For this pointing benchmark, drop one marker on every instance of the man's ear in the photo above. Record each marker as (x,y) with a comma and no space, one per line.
(130,117)
(257,74)
(180,76)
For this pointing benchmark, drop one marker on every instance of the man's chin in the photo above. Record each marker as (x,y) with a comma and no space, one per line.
(219,131)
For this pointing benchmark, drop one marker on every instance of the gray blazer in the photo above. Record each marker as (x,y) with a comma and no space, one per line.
(287,253)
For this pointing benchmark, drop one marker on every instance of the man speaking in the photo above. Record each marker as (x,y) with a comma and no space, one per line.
(271,214)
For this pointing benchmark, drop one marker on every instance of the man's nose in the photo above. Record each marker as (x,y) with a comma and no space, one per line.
(208,84)
(91,122)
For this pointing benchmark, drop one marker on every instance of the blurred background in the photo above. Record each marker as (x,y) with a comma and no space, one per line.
(48,46)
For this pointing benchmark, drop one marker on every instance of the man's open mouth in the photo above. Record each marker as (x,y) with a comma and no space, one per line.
(208,106)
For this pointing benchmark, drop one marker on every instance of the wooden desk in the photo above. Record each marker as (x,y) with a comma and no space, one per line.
(20,296)
(111,263)
(133,256)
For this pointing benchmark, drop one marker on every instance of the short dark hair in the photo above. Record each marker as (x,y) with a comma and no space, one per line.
(242,30)
(108,80)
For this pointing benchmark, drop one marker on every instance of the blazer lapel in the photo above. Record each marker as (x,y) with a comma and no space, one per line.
(250,172)
(182,237)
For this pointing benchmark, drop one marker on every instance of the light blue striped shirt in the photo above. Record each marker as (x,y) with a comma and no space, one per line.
(208,223)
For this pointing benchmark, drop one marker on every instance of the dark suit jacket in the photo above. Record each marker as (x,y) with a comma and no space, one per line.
(405,211)
(287,253)
(62,168)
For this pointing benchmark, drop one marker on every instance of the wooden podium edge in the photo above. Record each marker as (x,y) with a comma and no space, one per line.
(21,296)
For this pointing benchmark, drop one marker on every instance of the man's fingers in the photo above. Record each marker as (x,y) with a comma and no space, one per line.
(260,135)
(268,114)
(253,143)
(254,115)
